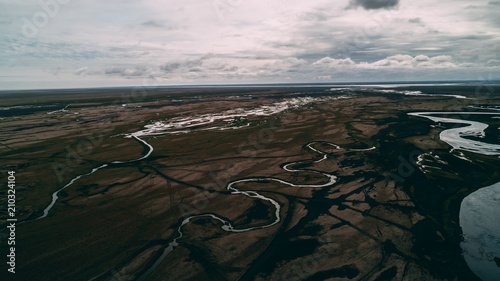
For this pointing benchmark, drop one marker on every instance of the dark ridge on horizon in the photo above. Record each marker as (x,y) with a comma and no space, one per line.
(253,85)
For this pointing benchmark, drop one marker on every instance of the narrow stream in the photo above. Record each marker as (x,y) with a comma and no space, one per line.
(479,212)
(55,194)
(253,194)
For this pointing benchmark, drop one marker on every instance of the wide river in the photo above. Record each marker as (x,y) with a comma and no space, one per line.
(480,211)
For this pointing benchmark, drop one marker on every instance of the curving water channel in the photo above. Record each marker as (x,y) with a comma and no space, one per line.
(480,211)
(227,226)
(55,194)
(160,128)
(455,137)
(182,125)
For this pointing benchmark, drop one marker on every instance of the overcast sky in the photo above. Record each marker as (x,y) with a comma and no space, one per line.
(71,43)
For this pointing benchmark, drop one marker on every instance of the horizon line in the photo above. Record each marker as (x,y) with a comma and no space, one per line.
(276,84)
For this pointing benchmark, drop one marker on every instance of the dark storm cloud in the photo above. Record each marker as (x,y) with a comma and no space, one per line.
(374,4)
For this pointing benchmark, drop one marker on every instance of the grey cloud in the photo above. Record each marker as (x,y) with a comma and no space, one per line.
(474,37)
(168,67)
(493,63)
(415,20)
(315,16)
(472,7)
(485,13)
(392,62)
(6,21)
(81,71)
(224,67)
(230,68)
(115,70)
(152,23)
(189,64)
(311,42)
(374,4)
(87,71)
(159,24)
(137,71)
(193,63)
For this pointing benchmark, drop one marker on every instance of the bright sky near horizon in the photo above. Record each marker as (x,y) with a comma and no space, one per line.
(71,44)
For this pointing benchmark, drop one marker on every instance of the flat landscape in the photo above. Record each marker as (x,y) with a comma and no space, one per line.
(246,183)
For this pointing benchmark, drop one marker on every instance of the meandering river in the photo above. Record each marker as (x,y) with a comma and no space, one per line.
(479,211)
(160,128)
(227,226)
